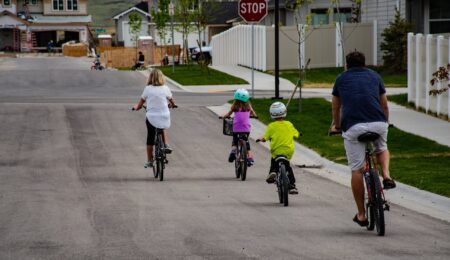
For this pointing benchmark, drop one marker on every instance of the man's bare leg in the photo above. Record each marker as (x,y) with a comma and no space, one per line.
(383,159)
(358,193)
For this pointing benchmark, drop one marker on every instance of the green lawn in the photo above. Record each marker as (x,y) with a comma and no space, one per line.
(415,160)
(194,75)
(325,77)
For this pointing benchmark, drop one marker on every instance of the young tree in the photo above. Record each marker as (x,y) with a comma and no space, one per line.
(205,12)
(135,22)
(161,18)
(394,44)
(442,75)
(184,17)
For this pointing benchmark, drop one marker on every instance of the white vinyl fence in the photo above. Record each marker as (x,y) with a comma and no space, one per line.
(426,53)
(233,47)
(321,46)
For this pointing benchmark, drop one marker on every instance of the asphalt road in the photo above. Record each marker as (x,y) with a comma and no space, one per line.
(73,184)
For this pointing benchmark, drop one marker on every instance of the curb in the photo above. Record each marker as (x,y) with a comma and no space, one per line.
(412,198)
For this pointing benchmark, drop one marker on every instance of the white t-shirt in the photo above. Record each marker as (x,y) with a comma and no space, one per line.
(158,113)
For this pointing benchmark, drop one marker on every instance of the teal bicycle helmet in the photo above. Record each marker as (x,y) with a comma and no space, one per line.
(241,95)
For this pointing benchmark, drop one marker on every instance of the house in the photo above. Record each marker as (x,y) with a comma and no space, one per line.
(121,20)
(426,16)
(27,25)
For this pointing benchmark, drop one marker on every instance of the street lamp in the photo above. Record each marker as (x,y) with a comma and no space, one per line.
(172,13)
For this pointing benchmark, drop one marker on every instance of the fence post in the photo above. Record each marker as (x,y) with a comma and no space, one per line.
(428,66)
(418,67)
(375,42)
(410,67)
(439,62)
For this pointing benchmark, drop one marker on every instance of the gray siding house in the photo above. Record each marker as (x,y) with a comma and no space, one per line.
(123,35)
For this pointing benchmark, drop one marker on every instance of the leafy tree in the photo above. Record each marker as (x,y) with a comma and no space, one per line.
(206,11)
(161,18)
(394,44)
(135,22)
(184,16)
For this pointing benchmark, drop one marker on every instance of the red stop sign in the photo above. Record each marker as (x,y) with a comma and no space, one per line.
(252,11)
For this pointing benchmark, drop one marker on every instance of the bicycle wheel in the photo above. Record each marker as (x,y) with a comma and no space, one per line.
(369,203)
(237,165)
(243,161)
(155,171)
(160,167)
(378,204)
(284,185)
(280,190)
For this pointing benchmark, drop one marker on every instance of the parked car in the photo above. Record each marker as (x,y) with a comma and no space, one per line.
(206,50)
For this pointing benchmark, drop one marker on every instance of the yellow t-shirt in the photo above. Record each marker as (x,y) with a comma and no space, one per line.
(281,135)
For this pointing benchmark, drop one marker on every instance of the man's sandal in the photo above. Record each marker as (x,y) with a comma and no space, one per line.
(363,223)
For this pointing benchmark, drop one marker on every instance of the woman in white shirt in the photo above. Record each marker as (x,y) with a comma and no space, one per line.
(158,98)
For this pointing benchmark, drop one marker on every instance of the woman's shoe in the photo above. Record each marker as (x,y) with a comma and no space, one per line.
(388,184)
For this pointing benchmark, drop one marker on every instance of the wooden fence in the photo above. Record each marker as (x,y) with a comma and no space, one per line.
(75,50)
(124,57)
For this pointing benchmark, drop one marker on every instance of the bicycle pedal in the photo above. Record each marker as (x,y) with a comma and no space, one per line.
(166,161)
(387,207)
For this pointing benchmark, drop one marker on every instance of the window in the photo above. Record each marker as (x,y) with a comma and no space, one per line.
(439,16)
(34,2)
(58,5)
(72,5)
(319,16)
(6,2)
(343,16)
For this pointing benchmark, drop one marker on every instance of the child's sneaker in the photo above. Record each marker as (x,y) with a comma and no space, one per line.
(232,156)
(271,177)
(293,190)
(250,161)
(167,148)
(148,164)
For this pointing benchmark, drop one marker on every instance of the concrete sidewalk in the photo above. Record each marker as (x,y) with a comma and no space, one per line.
(404,195)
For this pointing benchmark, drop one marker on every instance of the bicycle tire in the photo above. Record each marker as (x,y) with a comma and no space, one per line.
(155,171)
(160,157)
(279,182)
(237,169)
(378,205)
(160,166)
(243,162)
(284,185)
(370,216)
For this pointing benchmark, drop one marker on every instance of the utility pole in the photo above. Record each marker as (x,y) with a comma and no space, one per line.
(277,50)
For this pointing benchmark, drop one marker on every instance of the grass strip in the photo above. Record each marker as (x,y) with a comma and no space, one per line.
(416,161)
(190,75)
(327,76)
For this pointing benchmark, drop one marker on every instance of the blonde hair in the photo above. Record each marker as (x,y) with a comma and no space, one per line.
(156,78)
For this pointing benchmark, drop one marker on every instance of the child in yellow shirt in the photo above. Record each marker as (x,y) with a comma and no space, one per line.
(281,134)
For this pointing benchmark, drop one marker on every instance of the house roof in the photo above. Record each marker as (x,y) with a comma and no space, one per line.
(224,12)
(134,8)
(13,16)
(39,18)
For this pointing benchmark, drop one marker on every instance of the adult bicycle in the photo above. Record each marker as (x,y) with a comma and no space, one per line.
(241,161)
(376,203)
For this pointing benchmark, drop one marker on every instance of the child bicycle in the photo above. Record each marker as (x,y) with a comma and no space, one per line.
(376,203)
(159,152)
(281,180)
(241,161)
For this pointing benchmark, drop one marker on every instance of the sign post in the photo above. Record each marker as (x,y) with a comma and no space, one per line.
(172,13)
(253,11)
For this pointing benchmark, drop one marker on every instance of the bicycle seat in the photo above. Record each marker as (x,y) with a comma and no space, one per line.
(368,137)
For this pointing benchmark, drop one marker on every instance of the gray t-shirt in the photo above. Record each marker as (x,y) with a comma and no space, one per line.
(359,90)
